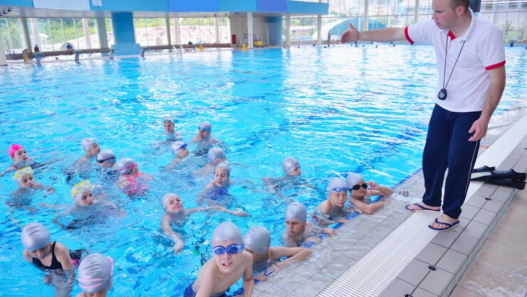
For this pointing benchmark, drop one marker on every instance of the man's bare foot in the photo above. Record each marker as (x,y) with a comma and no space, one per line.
(422,206)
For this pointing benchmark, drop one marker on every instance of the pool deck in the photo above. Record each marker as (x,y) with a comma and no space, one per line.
(393,253)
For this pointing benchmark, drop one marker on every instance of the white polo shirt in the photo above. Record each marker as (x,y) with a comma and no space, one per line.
(483,50)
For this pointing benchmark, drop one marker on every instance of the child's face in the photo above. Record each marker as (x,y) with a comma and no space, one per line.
(94,149)
(134,170)
(86,199)
(41,253)
(295,227)
(221,177)
(204,133)
(295,172)
(361,192)
(20,155)
(338,198)
(169,127)
(183,153)
(174,204)
(227,263)
(27,181)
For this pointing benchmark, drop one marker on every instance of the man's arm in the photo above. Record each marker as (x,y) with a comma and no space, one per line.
(497,85)
(381,35)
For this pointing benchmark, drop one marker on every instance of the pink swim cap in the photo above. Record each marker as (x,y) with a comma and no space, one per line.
(13,148)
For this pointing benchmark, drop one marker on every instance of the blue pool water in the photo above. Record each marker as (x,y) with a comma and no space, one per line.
(336,110)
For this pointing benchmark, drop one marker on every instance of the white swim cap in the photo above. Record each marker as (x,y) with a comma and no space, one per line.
(106,156)
(290,164)
(205,125)
(215,153)
(79,189)
(86,143)
(296,211)
(177,146)
(165,198)
(168,119)
(225,165)
(337,184)
(227,231)
(258,239)
(34,236)
(125,165)
(95,273)
(353,179)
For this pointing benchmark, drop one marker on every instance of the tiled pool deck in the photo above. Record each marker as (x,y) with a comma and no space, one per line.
(499,269)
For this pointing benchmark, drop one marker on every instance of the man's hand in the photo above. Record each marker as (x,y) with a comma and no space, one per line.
(479,128)
(350,35)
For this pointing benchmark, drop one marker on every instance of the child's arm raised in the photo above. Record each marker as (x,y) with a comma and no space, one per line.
(376,189)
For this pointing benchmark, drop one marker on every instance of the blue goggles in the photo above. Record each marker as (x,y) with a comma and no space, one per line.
(184,145)
(339,189)
(231,249)
(203,129)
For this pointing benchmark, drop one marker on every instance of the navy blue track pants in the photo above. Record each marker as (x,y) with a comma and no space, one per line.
(447,147)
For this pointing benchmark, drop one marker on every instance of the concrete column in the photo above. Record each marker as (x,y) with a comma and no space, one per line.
(525,32)
(416,12)
(123,31)
(167,28)
(3,60)
(25,34)
(217,26)
(366,7)
(250,44)
(275,30)
(36,36)
(177,31)
(319,29)
(86,29)
(101,32)
(288,30)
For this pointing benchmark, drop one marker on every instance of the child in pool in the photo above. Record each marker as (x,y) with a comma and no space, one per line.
(87,206)
(91,148)
(219,185)
(204,140)
(131,181)
(170,132)
(106,162)
(180,150)
(215,155)
(52,257)
(20,159)
(360,194)
(298,230)
(228,264)
(291,168)
(332,210)
(257,242)
(26,186)
(95,276)
(176,214)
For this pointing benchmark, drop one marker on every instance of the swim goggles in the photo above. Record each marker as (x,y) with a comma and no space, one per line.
(102,161)
(168,121)
(339,189)
(356,187)
(184,145)
(203,129)
(24,171)
(81,187)
(231,249)
(129,167)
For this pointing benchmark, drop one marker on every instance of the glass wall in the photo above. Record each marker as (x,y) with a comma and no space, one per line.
(509,15)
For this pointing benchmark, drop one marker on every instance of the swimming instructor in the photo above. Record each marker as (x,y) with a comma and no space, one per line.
(471,64)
